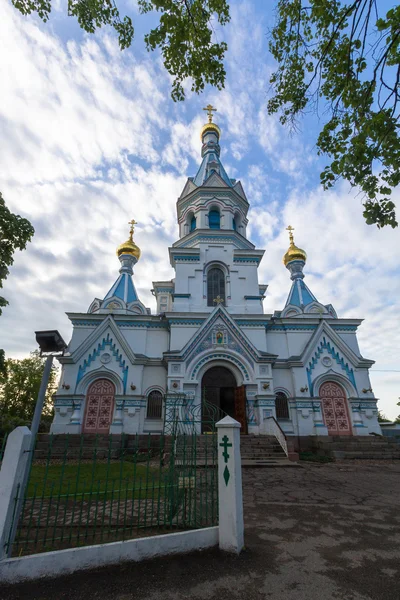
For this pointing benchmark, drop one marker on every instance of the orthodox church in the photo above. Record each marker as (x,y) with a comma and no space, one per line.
(210,342)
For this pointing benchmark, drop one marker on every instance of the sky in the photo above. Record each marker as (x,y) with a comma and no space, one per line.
(89,138)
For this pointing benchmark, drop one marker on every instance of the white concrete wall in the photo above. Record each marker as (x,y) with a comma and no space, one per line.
(62,562)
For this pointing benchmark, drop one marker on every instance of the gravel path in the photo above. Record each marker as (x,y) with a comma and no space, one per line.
(321,532)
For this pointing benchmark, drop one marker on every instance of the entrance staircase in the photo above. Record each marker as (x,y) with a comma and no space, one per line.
(256,451)
(362,447)
(263,451)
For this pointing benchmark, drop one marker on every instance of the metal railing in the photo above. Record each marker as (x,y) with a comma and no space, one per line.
(273,428)
(90,489)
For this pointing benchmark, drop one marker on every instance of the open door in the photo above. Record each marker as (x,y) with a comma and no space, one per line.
(240,408)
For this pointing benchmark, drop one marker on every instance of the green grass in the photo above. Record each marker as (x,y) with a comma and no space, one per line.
(86,478)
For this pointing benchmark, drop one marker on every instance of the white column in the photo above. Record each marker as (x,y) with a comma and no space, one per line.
(13,469)
(231,527)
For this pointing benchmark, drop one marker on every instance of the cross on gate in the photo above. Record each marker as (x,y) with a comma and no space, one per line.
(225,445)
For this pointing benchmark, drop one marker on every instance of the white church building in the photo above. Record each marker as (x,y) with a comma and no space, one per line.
(210,342)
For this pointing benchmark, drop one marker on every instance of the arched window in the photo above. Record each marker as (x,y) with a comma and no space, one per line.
(234,226)
(154,405)
(281,406)
(193,223)
(214,219)
(215,286)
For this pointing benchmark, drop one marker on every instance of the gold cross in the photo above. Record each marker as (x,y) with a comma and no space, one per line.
(132,229)
(218,300)
(209,108)
(290,229)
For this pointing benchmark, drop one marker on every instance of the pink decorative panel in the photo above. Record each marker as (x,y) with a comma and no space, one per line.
(99,407)
(334,406)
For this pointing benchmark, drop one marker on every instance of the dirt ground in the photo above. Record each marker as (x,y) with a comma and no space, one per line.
(326,532)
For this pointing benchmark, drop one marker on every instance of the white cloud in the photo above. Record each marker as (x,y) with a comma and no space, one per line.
(91,138)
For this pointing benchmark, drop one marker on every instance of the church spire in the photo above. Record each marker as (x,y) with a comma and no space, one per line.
(300,299)
(210,151)
(122,296)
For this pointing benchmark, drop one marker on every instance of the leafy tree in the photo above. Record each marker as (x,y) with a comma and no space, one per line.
(347,54)
(343,53)
(382,418)
(19,388)
(398,417)
(184,34)
(15,233)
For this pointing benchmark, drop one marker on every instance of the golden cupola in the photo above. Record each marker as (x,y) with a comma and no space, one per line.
(210,127)
(129,247)
(293,253)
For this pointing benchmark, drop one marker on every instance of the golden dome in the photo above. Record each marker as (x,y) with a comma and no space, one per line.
(129,247)
(210,127)
(293,253)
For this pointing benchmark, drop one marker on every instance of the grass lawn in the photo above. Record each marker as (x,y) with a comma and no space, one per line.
(87,479)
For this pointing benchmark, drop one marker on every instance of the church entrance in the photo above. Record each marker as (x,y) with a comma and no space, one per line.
(99,407)
(221,396)
(334,407)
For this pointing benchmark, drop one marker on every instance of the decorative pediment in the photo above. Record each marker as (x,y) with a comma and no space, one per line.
(325,332)
(220,332)
(326,348)
(107,330)
(189,187)
(239,190)
(215,180)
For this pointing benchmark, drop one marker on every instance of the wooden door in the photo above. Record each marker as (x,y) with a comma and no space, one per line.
(334,407)
(99,407)
(240,407)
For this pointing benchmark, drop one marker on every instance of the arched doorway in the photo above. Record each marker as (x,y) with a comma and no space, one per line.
(334,407)
(99,407)
(221,396)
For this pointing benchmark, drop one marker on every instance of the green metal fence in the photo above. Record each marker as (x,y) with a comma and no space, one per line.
(90,489)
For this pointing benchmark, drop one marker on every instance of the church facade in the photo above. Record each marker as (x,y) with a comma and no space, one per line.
(210,343)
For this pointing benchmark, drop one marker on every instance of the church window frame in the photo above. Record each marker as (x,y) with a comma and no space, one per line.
(214,218)
(155,405)
(193,223)
(216,285)
(282,406)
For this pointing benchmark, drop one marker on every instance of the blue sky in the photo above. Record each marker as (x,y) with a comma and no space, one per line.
(90,138)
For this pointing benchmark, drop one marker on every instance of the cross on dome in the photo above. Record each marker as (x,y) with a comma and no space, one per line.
(290,229)
(132,229)
(210,109)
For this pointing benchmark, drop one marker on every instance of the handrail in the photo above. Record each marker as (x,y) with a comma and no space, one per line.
(273,428)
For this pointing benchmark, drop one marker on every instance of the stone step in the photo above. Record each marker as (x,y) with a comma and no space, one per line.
(366,455)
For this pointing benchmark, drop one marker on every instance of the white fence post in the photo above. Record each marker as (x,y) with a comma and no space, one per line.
(13,468)
(231,527)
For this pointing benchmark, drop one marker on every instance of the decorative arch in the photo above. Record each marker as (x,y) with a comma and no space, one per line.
(336,356)
(100,373)
(112,347)
(337,378)
(291,311)
(239,366)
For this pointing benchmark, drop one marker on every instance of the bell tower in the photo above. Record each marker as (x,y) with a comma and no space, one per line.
(213,259)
